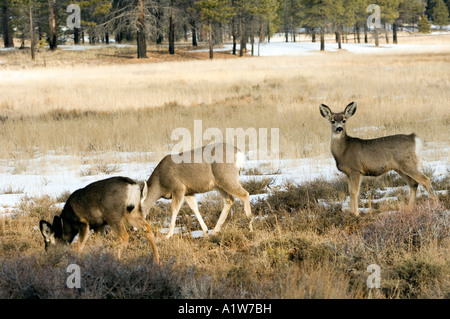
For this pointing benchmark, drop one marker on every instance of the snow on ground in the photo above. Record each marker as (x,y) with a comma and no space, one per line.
(279,47)
(68,47)
(53,175)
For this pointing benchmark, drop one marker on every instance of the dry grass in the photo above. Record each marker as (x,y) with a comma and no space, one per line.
(135,107)
(306,251)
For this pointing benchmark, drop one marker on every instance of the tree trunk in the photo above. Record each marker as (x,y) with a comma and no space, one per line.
(375,34)
(243,38)
(194,34)
(262,34)
(32,34)
(252,38)
(366,40)
(211,50)
(386,32)
(185,33)
(233,34)
(141,42)
(322,39)
(339,38)
(159,34)
(52,31)
(394,33)
(357,33)
(76,36)
(172,28)
(8,40)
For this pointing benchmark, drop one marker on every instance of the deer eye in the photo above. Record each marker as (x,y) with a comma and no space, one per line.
(343,121)
(332,122)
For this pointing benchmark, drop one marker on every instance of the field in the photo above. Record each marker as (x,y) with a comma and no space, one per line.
(73,117)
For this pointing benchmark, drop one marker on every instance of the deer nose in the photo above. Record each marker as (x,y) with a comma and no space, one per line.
(339,129)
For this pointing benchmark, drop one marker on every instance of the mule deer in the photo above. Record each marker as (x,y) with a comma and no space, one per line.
(112,202)
(181,176)
(373,157)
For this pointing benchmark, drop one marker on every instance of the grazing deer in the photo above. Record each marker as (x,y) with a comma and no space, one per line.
(112,202)
(181,176)
(373,157)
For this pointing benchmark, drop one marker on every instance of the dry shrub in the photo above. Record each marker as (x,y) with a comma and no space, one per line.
(294,197)
(417,276)
(409,230)
(300,248)
(102,276)
(258,185)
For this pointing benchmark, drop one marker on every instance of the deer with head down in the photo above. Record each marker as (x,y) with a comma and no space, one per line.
(115,201)
(180,176)
(357,157)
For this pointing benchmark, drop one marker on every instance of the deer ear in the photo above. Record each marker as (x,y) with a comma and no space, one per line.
(144,192)
(350,109)
(325,111)
(47,230)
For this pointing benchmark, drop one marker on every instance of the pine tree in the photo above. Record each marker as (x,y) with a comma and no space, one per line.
(424,24)
(26,16)
(317,15)
(7,29)
(440,14)
(212,11)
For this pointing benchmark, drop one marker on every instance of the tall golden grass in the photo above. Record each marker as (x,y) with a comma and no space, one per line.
(136,106)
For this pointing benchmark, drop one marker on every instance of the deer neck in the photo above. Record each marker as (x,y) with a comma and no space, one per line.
(339,144)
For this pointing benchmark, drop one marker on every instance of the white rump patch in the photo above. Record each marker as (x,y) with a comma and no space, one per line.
(134,195)
(418,148)
(240,159)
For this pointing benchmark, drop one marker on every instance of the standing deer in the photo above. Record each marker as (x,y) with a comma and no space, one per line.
(357,157)
(112,202)
(181,176)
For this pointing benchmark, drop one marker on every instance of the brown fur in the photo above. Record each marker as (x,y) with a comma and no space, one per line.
(357,157)
(181,181)
(111,201)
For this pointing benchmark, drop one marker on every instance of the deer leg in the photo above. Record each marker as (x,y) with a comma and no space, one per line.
(244,197)
(136,219)
(192,202)
(421,178)
(413,184)
(122,233)
(227,203)
(151,240)
(354,181)
(177,200)
(99,232)
(83,236)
